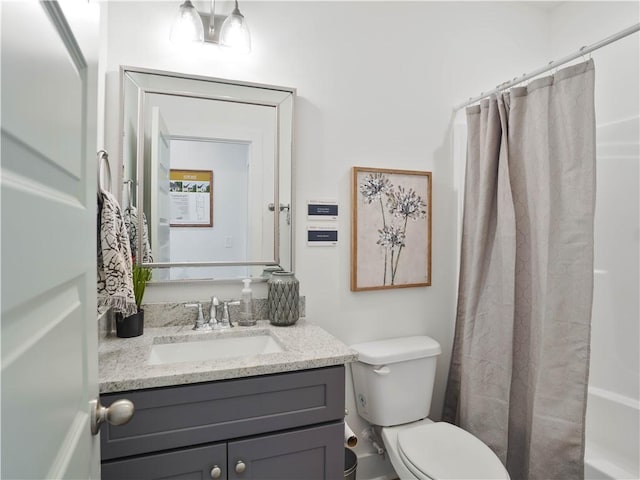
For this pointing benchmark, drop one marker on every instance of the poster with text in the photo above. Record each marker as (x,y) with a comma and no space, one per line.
(191,195)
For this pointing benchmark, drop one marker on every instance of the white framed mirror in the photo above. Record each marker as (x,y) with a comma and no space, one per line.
(209,163)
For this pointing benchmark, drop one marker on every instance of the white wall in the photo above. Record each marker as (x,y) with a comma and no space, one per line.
(228,236)
(614,380)
(616,334)
(376,83)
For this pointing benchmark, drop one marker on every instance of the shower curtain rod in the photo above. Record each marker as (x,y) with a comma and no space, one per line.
(551,65)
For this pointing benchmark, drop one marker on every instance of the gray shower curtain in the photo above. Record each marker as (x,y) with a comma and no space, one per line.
(520,360)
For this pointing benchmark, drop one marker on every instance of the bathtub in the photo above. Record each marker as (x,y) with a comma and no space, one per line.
(612,446)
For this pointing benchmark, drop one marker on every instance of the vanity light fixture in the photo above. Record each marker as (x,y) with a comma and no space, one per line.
(187,27)
(235,32)
(192,26)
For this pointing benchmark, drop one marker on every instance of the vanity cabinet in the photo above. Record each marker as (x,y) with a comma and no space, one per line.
(280,426)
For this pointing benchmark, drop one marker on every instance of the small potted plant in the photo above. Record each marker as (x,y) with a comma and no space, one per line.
(133,325)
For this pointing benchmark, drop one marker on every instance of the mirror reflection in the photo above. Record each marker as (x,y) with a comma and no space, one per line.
(210,159)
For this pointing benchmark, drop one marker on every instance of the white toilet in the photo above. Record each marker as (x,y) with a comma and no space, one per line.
(393,382)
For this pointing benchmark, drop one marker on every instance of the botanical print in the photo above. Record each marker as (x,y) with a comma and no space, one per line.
(390,244)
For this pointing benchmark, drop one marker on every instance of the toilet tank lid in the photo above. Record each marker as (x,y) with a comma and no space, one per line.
(392,350)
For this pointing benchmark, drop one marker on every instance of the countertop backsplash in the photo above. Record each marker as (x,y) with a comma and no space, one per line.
(173,313)
(106,323)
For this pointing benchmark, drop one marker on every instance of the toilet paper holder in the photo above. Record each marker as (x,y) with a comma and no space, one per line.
(350,438)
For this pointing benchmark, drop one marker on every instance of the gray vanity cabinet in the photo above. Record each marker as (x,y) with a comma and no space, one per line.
(280,426)
(304,454)
(189,463)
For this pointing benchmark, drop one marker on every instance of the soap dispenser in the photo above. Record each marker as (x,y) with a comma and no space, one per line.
(247,318)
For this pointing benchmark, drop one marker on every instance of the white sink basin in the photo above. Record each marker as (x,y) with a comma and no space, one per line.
(212,349)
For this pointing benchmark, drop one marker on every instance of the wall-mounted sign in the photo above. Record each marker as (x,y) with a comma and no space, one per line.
(191,195)
(322,236)
(322,210)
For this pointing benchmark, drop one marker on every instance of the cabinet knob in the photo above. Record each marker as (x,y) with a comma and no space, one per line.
(240,466)
(216,472)
(118,413)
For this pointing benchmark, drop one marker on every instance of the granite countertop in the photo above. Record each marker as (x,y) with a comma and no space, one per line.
(123,361)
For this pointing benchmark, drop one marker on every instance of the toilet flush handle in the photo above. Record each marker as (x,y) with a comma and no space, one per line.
(383,370)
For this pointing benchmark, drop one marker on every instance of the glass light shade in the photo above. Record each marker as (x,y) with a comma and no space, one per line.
(187,27)
(235,32)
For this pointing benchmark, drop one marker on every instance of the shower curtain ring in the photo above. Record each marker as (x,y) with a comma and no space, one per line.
(584,55)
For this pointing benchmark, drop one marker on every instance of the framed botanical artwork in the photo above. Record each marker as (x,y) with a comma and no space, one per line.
(390,229)
(191,198)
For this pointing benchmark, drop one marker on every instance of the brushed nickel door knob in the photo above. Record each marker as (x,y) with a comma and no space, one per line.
(216,472)
(240,466)
(118,413)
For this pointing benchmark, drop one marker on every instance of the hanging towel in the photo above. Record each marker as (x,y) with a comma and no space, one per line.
(115,280)
(131,222)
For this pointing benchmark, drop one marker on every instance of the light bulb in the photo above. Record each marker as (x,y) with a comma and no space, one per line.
(187,27)
(235,32)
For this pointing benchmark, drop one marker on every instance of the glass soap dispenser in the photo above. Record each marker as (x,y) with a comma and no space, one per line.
(247,318)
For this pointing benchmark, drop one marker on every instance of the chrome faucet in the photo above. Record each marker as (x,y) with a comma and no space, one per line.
(213,312)
(225,321)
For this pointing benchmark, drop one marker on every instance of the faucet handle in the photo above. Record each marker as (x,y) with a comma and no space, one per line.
(225,321)
(213,310)
(200,324)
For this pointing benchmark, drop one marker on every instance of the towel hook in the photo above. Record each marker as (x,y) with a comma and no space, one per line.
(129,184)
(103,157)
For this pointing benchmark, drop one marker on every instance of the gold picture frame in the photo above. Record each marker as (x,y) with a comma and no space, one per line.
(191,198)
(390,229)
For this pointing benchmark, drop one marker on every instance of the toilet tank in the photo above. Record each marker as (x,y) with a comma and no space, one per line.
(393,379)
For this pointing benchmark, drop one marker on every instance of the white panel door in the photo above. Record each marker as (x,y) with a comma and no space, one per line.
(48,211)
(160,203)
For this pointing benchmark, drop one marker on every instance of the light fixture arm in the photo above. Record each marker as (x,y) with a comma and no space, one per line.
(236,10)
(212,18)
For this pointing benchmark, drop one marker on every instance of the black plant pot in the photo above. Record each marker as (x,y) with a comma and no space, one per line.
(131,326)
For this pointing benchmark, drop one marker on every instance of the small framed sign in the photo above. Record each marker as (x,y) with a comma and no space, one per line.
(191,198)
(322,236)
(322,210)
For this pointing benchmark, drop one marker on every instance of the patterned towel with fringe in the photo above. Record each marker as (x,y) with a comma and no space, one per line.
(131,222)
(115,280)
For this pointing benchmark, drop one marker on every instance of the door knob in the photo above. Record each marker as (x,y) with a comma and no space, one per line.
(240,466)
(216,472)
(118,413)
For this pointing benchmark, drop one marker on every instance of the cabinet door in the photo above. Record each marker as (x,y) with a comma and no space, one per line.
(309,454)
(204,413)
(189,464)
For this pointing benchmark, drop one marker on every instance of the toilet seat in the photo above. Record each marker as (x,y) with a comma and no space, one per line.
(443,451)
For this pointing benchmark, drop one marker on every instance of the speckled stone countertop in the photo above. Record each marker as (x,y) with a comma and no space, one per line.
(123,362)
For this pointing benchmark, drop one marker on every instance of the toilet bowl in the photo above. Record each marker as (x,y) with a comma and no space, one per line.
(393,383)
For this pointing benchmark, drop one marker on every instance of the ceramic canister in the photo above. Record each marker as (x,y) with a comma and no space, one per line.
(283,298)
